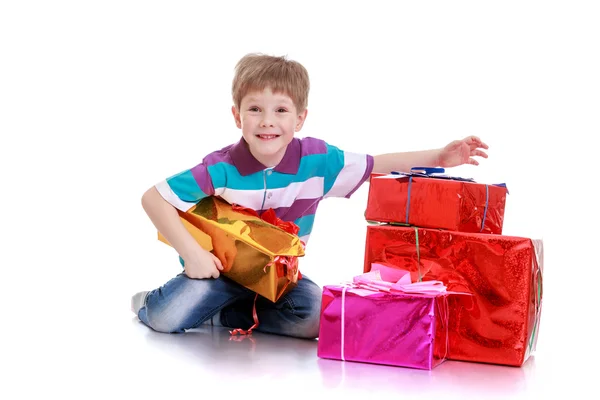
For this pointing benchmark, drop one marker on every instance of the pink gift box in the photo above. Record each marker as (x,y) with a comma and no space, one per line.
(374,320)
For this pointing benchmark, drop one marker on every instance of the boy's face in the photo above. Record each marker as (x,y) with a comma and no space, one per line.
(268,122)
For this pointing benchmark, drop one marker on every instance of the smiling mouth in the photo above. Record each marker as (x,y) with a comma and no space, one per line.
(267,137)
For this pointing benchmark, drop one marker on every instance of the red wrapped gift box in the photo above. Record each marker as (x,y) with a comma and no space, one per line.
(435,202)
(499,323)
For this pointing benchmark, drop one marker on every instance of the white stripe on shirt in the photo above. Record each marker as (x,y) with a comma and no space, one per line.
(355,166)
(169,195)
(281,197)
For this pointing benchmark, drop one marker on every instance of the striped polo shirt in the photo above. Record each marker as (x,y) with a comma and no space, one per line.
(310,171)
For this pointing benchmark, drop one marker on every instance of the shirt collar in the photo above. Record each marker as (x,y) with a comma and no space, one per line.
(246,164)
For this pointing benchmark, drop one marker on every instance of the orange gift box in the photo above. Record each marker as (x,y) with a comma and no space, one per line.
(258,252)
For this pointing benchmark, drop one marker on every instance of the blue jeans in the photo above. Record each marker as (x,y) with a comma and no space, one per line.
(184,303)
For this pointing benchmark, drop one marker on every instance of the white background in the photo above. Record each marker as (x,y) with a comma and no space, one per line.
(100,100)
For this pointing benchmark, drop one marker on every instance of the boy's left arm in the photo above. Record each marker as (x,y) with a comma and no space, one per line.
(456,153)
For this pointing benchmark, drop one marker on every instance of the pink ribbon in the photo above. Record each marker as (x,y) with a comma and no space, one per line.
(382,278)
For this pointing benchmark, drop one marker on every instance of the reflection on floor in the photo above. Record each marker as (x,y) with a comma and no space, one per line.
(245,359)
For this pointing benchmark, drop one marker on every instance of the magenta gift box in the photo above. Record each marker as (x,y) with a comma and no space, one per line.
(378,327)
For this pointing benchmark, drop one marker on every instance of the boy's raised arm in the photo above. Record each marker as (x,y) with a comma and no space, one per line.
(403,162)
(456,153)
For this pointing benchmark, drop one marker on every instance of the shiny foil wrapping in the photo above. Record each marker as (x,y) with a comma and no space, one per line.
(499,322)
(406,330)
(258,252)
(437,203)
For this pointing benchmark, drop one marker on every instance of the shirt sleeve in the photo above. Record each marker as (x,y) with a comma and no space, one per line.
(185,189)
(345,172)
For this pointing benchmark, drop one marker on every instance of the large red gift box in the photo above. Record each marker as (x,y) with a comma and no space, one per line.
(498,320)
(436,202)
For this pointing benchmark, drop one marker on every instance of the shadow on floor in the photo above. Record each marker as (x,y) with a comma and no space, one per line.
(283,357)
(262,353)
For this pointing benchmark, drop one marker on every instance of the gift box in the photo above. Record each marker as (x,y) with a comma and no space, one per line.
(381,319)
(258,252)
(436,201)
(499,323)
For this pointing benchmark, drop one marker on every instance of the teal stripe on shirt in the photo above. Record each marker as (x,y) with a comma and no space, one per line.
(227,175)
(184,185)
(305,224)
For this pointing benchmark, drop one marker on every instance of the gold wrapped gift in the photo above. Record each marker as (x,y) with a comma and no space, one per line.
(260,253)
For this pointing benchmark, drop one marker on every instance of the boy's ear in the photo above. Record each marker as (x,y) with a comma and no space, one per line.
(301,119)
(236,117)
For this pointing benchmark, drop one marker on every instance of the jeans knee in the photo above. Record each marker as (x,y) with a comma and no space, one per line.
(308,314)
(163,321)
(309,327)
(176,308)
(184,303)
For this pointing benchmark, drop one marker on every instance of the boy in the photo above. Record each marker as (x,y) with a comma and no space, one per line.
(267,168)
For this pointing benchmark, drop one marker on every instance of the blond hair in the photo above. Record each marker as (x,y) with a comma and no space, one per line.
(258,71)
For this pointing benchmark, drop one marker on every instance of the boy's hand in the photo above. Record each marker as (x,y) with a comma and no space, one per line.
(461,152)
(201,264)
(225,252)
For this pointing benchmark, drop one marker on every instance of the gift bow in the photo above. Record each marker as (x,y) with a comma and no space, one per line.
(383,278)
(429,172)
(270,217)
(286,267)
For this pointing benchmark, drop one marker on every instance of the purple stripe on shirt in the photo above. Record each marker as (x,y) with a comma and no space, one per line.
(299,208)
(312,145)
(200,171)
(218,156)
(291,159)
(203,179)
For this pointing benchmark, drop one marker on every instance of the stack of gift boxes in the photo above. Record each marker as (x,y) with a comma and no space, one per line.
(440,281)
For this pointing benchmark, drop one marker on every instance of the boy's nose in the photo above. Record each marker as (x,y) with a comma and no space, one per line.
(266,122)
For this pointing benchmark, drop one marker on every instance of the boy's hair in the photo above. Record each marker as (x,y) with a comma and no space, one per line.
(258,71)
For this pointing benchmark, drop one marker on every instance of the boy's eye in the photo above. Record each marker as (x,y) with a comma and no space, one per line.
(281,110)
(254,109)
